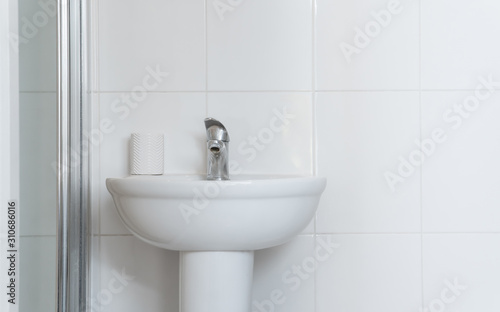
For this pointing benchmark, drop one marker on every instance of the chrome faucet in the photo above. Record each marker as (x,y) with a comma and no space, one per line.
(218,150)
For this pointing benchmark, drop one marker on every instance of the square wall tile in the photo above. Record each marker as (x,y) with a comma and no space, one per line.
(179,116)
(461,272)
(270,132)
(459,42)
(164,36)
(363,140)
(367,45)
(371,272)
(37,267)
(38,156)
(259,45)
(37,46)
(136,276)
(277,284)
(461,177)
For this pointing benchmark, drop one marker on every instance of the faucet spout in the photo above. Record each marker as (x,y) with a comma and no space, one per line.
(217,150)
(216,130)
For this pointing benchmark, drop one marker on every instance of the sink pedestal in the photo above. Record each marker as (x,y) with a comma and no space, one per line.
(216,281)
(216,225)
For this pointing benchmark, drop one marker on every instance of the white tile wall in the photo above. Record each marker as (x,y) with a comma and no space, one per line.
(136,276)
(172,33)
(466,265)
(358,142)
(275,276)
(259,45)
(387,58)
(371,273)
(458,42)
(355,121)
(460,181)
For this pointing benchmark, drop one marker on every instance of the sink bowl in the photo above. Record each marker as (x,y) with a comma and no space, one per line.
(216,226)
(189,213)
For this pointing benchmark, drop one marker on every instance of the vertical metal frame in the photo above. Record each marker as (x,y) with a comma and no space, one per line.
(73,154)
(9,139)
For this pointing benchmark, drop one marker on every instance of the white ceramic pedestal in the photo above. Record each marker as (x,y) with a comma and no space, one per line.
(216,281)
(188,212)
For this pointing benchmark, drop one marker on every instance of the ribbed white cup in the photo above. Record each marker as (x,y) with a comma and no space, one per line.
(146,153)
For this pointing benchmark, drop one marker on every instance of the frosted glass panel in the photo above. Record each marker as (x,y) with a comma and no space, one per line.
(37,121)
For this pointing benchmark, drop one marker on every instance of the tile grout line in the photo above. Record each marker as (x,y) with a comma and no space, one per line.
(278,91)
(206,56)
(35,92)
(358,233)
(421,168)
(97,75)
(218,91)
(313,46)
(313,88)
(314,134)
(98,115)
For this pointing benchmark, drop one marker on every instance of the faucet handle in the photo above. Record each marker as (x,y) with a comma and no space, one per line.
(216,130)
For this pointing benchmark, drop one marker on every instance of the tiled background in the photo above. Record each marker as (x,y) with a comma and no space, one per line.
(354,120)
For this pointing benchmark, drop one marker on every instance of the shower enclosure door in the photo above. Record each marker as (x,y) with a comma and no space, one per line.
(43,160)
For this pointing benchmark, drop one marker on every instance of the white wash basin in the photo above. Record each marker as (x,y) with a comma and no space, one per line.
(189,213)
